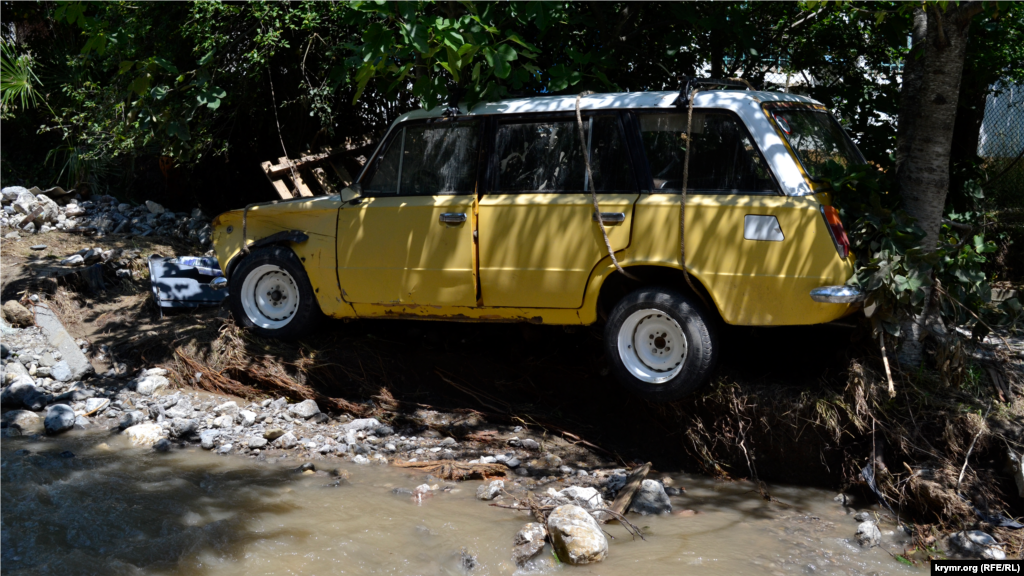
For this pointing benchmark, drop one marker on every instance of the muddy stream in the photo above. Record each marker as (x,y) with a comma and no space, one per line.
(87,503)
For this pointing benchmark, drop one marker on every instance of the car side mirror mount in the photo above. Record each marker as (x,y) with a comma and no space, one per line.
(352,194)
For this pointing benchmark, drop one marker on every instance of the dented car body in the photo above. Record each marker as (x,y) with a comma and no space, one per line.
(487,215)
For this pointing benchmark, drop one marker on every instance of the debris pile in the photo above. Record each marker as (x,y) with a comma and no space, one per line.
(31,210)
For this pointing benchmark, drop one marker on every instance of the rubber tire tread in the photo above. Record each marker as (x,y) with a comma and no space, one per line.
(702,342)
(306,318)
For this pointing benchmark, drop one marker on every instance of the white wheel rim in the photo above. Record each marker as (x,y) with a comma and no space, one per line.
(652,346)
(270,297)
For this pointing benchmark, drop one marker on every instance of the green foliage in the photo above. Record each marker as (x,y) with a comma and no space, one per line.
(900,276)
(18,82)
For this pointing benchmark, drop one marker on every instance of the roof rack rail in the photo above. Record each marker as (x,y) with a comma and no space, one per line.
(691,84)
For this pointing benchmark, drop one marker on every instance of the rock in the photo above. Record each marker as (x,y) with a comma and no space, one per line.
(257,442)
(95,404)
(278,404)
(11,193)
(58,338)
(360,459)
(862,516)
(50,209)
(59,417)
(155,208)
(81,422)
(22,393)
(1018,470)
(529,541)
(225,421)
(361,424)
(576,537)
(131,419)
(247,417)
(529,444)
(286,441)
(588,498)
(490,491)
(13,370)
(651,499)
(61,372)
(38,247)
(182,427)
(155,372)
(229,407)
(207,438)
(978,543)
(17,314)
(305,409)
(181,409)
(273,434)
(147,385)
(162,445)
(146,434)
(25,202)
(25,421)
(73,260)
(868,534)
(225,448)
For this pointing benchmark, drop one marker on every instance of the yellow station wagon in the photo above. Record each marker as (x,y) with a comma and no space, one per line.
(486,215)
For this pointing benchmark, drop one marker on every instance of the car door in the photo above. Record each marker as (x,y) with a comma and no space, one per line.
(538,238)
(410,240)
(756,251)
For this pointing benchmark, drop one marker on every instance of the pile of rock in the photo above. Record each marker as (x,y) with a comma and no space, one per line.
(34,210)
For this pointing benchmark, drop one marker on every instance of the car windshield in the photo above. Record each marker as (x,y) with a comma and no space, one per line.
(817,138)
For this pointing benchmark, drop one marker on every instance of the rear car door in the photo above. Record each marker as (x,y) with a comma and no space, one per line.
(410,240)
(538,239)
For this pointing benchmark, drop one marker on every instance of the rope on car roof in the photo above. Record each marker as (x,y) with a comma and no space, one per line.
(593,189)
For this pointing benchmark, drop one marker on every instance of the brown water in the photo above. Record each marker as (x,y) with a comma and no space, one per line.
(112,509)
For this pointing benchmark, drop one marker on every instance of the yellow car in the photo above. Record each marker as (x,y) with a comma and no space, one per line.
(486,215)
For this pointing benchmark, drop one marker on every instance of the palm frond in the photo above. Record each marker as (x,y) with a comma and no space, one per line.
(18,83)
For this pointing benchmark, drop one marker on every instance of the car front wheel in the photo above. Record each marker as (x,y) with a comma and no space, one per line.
(661,345)
(271,294)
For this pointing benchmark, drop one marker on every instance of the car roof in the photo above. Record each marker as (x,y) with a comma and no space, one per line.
(728,99)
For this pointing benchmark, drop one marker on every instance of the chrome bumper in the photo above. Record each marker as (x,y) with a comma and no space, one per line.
(218,283)
(838,294)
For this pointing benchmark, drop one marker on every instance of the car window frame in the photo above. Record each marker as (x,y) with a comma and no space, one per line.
(491,172)
(771,107)
(399,129)
(648,182)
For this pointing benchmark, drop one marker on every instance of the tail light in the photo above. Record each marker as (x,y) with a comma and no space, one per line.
(835,228)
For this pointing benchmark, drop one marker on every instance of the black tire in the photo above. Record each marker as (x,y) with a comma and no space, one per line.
(299,318)
(683,316)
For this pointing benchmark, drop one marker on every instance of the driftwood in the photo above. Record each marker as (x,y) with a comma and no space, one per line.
(628,492)
(455,470)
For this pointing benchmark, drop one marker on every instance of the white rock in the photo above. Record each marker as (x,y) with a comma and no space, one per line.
(490,491)
(25,202)
(978,543)
(286,441)
(576,537)
(529,541)
(868,534)
(588,498)
(362,424)
(155,208)
(225,421)
(247,417)
(229,407)
(360,459)
(147,385)
(144,434)
(155,372)
(305,409)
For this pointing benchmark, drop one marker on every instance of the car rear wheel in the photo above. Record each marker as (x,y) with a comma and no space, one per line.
(271,294)
(661,345)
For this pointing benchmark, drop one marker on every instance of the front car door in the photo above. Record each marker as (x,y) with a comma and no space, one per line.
(410,240)
(539,241)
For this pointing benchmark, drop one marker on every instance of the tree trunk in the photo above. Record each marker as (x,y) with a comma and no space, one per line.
(928,107)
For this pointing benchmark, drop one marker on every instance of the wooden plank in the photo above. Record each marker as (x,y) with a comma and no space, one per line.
(628,492)
(279,186)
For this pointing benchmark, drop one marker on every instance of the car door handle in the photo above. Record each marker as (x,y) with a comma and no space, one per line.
(453,217)
(611,218)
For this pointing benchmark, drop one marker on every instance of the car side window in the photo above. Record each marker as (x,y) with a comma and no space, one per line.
(723,158)
(428,160)
(546,156)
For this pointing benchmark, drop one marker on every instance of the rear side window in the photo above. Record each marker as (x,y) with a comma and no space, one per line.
(723,158)
(428,160)
(546,156)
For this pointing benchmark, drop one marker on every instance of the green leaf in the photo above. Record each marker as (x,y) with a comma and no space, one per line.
(207,58)
(159,92)
(125,66)
(179,129)
(141,84)
(165,64)
(210,96)
(416,35)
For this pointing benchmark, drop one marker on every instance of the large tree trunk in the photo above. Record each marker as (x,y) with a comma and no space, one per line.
(928,107)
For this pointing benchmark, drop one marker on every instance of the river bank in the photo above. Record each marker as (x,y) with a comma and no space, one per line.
(804,406)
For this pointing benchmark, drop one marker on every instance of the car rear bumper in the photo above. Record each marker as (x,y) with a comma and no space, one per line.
(838,294)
